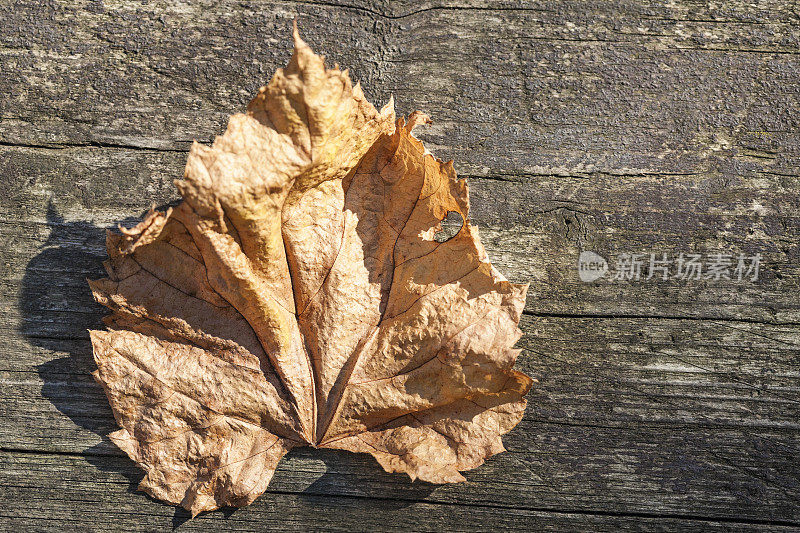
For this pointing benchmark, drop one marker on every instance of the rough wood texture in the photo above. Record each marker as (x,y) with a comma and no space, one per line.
(612,127)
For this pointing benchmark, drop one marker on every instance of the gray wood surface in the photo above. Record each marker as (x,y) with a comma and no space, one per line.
(613,126)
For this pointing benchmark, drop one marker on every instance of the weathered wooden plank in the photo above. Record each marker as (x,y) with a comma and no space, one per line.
(717,472)
(614,372)
(554,88)
(97,496)
(533,230)
(723,476)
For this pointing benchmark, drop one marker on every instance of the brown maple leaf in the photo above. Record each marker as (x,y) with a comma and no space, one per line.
(297,297)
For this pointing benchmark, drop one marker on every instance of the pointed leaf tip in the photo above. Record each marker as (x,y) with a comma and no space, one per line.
(298,41)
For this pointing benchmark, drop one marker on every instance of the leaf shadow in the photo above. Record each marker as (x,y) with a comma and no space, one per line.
(359,475)
(57,310)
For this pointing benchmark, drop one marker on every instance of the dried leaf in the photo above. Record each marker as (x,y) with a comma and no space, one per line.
(298,296)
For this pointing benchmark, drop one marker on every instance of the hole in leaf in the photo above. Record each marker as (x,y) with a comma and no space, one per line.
(451,225)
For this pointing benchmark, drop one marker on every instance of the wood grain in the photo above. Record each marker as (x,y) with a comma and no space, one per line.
(616,127)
